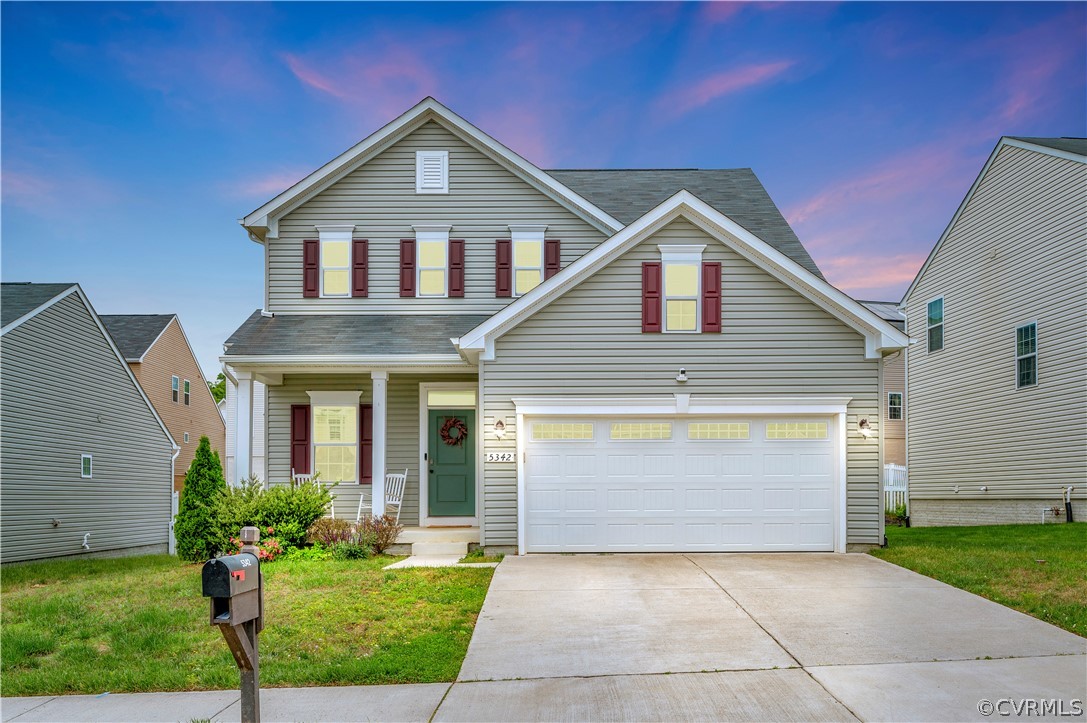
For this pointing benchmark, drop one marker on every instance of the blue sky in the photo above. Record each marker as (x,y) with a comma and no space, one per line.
(135,135)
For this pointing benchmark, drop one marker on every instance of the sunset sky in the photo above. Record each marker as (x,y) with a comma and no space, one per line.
(135,135)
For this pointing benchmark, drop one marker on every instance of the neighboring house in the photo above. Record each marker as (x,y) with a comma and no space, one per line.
(997,380)
(158,352)
(87,462)
(894,387)
(570,361)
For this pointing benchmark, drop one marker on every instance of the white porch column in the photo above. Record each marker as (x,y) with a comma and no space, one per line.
(243,443)
(380,383)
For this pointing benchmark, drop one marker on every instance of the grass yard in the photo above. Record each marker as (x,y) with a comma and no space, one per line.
(1002,563)
(140,624)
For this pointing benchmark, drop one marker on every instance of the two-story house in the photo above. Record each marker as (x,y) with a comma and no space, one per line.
(998,376)
(87,461)
(161,359)
(613,360)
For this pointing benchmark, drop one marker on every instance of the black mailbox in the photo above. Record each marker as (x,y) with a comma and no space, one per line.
(233,584)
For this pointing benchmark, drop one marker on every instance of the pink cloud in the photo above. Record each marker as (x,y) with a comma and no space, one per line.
(46,193)
(523,129)
(311,77)
(683,100)
(714,13)
(872,275)
(266,186)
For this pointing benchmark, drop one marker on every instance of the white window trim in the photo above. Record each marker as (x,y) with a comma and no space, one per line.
(901,406)
(335,399)
(186,393)
(431,233)
(333,233)
(928,326)
(526,233)
(86,458)
(1018,356)
(681,255)
(419,158)
(175,389)
(425,520)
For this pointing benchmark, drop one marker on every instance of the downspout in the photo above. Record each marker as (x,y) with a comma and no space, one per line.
(1068,503)
(171,547)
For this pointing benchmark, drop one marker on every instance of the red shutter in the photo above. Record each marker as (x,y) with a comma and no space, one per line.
(311,268)
(503,267)
(366,444)
(407,267)
(456,267)
(711,297)
(360,267)
(300,438)
(552,251)
(651,296)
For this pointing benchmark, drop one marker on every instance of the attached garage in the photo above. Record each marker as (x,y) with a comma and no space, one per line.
(734,483)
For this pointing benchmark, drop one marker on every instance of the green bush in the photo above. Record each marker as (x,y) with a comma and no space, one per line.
(194,527)
(351,551)
(313,552)
(288,510)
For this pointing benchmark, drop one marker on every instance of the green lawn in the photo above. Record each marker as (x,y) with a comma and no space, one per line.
(140,624)
(1040,570)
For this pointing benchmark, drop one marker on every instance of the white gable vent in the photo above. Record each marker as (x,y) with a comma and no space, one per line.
(432,171)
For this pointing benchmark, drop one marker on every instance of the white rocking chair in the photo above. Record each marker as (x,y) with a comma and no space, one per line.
(394,494)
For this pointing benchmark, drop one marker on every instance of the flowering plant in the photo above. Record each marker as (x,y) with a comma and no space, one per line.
(268,549)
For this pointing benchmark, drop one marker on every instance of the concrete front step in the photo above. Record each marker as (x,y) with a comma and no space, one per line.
(438,534)
(439,548)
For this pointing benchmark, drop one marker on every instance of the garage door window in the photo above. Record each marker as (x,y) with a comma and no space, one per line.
(554,431)
(796,430)
(641,430)
(718,430)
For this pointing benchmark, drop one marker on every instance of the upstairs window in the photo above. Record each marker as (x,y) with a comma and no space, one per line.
(681,296)
(894,405)
(335,261)
(936,324)
(86,466)
(432,171)
(1026,355)
(175,386)
(528,258)
(432,264)
(186,392)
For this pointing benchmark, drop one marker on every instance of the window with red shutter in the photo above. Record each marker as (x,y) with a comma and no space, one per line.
(366,444)
(360,267)
(651,296)
(456,268)
(407,267)
(300,438)
(311,268)
(503,267)
(711,297)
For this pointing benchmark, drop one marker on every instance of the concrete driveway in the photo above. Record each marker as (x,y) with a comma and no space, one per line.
(750,637)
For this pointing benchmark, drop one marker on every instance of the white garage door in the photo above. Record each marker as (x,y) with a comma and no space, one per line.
(669,485)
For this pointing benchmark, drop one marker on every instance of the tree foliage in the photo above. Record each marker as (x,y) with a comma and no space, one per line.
(204,485)
(218,388)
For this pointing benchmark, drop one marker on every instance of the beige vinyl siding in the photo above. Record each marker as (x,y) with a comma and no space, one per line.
(65,393)
(1017,254)
(170,356)
(894,430)
(774,342)
(402,448)
(483,200)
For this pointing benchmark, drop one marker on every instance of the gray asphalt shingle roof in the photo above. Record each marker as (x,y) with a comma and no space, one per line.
(134,333)
(627,194)
(350,334)
(20,298)
(888,311)
(1069,145)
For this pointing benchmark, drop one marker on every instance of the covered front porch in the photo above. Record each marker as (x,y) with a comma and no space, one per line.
(353,427)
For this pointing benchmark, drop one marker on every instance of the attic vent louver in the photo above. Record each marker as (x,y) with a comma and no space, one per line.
(432,171)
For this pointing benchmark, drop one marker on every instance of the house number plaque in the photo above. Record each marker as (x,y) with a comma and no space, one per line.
(501,456)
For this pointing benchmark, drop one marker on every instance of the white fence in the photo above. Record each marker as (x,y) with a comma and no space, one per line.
(896,488)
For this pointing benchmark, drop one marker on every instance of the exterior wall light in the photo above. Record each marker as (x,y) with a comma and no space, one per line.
(865,429)
(499,428)
(682,376)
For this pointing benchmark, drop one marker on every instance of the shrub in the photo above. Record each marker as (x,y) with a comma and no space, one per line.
(289,510)
(381,532)
(351,551)
(328,531)
(268,548)
(194,528)
(313,552)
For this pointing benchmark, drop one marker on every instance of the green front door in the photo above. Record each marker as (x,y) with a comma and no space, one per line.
(451,470)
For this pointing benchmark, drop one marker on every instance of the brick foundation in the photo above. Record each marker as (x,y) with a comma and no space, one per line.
(948,513)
